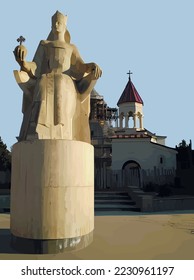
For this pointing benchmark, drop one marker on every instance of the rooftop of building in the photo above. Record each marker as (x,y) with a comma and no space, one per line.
(134,133)
(130,94)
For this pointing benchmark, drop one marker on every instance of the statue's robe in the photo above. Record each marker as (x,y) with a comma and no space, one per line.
(56,100)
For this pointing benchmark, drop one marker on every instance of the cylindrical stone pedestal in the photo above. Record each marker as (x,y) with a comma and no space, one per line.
(52,195)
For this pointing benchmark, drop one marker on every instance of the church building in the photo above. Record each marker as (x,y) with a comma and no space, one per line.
(132,148)
(132,143)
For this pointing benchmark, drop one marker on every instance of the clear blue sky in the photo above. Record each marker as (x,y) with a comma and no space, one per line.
(154,39)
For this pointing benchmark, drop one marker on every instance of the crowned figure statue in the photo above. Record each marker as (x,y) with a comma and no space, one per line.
(52,186)
(56,86)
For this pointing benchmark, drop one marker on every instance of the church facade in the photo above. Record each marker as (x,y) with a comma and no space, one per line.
(135,154)
(132,142)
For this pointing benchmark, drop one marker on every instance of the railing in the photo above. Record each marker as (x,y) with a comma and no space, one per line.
(113,179)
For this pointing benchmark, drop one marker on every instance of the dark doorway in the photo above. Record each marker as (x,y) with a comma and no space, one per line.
(131,173)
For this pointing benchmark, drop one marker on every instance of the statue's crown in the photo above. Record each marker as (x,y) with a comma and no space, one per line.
(58,16)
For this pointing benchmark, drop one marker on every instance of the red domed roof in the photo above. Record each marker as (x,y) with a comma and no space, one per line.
(130,94)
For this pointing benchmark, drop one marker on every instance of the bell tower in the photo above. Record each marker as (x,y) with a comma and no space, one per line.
(130,107)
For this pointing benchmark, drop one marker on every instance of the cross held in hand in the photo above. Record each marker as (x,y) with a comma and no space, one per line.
(21,39)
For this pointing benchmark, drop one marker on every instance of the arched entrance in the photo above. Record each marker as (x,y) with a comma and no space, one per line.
(131,173)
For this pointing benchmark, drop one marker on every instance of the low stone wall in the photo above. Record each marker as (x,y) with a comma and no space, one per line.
(143,201)
(150,203)
(173,203)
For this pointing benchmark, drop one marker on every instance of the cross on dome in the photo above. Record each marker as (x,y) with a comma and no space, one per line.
(130,73)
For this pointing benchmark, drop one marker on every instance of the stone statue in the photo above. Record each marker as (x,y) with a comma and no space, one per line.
(52,185)
(56,87)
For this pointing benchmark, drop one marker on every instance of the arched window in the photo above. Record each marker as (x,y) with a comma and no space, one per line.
(131,164)
(130,119)
(161,160)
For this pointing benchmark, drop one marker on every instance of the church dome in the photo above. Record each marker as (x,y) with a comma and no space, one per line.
(130,94)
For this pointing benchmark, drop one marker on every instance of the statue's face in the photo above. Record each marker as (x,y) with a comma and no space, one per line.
(58,26)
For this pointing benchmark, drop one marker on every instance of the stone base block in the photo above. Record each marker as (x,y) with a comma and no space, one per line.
(52,194)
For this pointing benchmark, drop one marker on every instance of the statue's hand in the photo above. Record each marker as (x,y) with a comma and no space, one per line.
(95,70)
(20,53)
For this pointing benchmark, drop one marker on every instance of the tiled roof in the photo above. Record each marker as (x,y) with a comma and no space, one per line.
(129,136)
(130,94)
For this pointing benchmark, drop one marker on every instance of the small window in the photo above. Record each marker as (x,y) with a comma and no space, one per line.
(161,160)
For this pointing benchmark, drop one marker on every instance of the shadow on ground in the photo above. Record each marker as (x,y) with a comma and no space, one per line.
(5,242)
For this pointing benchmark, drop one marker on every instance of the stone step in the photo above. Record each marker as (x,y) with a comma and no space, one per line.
(110,197)
(117,213)
(116,207)
(115,201)
(123,194)
(111,192)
